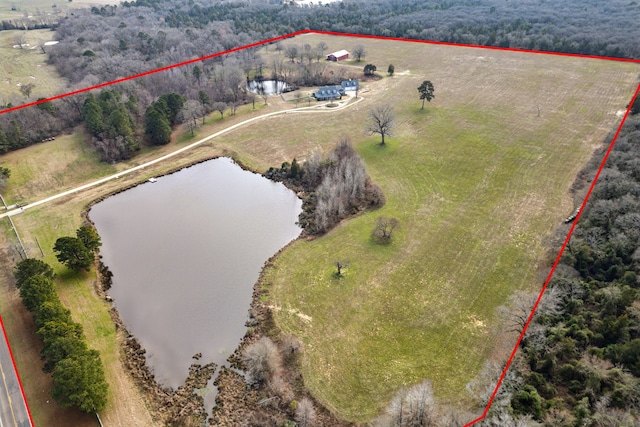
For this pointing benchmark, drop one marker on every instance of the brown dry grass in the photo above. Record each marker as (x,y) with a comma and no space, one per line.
(24,66)
(42,8)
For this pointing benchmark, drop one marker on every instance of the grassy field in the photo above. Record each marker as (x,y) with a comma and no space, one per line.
(23,66)
(477,180)
(39,9)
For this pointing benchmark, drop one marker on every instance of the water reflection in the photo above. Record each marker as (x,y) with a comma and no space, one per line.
(185,253)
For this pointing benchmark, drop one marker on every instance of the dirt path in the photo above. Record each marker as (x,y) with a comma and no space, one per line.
(323,108)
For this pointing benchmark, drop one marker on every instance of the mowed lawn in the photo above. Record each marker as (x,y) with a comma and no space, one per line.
(477,180)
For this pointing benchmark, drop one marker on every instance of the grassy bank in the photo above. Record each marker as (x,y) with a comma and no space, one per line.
(46,169)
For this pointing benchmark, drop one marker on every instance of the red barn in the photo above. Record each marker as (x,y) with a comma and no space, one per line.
(338,56)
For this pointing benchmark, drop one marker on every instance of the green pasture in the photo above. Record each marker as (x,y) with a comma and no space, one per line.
(477,182)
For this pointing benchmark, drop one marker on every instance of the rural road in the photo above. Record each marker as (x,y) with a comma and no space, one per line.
(13,408)
(14,210)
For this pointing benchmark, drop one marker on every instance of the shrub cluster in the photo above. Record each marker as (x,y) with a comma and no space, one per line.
(335,187)
(266,366)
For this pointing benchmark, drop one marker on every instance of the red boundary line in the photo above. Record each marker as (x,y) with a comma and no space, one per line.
(156,70)
(368,36)
(286,36)
(555,264)
(15,368)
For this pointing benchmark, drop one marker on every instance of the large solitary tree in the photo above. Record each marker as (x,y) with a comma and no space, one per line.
(381,121)
(426,92)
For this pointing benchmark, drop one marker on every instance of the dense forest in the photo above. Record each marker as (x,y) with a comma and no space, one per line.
(588,27)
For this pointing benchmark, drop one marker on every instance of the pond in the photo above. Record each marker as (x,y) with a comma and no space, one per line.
(267,87)
(185,252)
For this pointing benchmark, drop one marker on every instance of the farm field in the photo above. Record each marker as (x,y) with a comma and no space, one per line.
(477,180)
(40,9)
(26,66)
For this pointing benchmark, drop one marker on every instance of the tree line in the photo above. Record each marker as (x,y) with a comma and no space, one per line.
(587,27)
(77,371)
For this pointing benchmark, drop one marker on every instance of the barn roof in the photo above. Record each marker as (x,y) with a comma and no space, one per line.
(339,53)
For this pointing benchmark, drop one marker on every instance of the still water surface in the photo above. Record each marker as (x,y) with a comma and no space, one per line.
(267,87)
(185,253)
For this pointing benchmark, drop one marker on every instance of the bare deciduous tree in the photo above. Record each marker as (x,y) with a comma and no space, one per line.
(415,406)
(322,48)
(482,386)
(189,114)
(291,52)
(359,52)
(520,305)
(261,359)
(220,107)
(342,187)
(381,121)
(27,89)
(384,229)
(20,39)
(291,347)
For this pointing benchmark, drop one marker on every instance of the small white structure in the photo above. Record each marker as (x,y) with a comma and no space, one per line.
(152,180)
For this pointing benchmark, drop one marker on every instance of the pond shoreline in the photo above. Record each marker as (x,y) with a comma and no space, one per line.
(170,405)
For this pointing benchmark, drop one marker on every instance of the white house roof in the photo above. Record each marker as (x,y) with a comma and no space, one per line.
(339,53)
